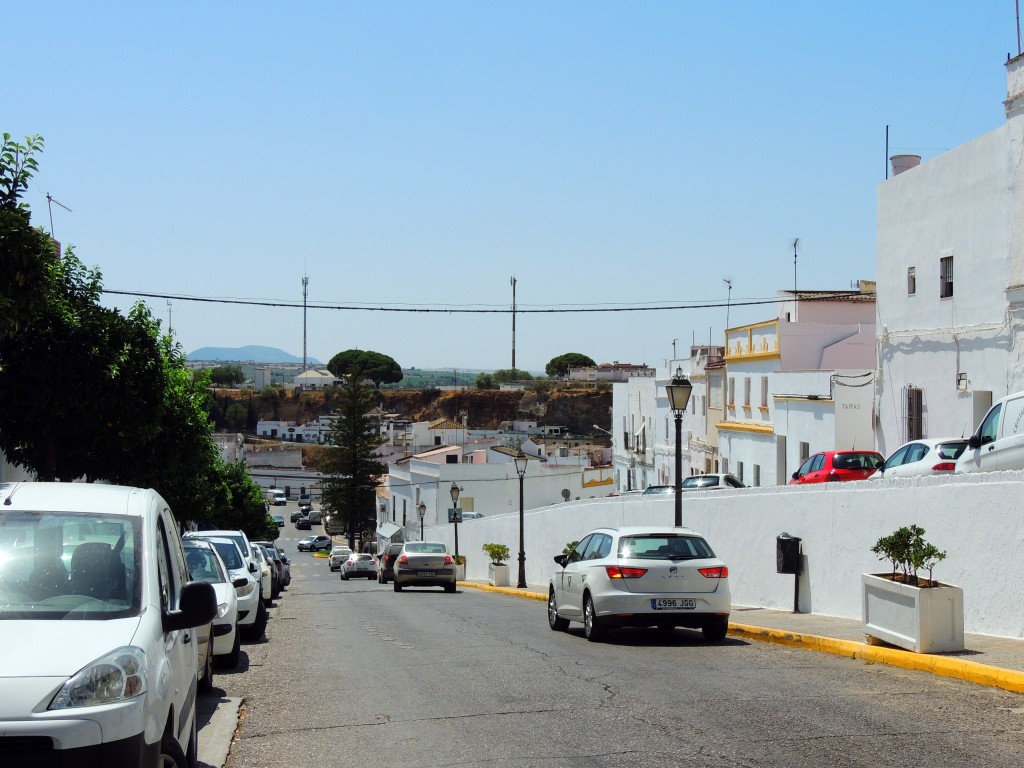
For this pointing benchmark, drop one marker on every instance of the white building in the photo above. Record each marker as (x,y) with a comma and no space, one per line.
(951,282)
(316,379)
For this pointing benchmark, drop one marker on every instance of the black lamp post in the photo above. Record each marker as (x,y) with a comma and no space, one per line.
(455,505)
(678,391)
(422,508)
(520,461)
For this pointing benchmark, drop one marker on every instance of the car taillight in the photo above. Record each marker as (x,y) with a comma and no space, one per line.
(620,572)
(404,559)
(448,560)
(718,572)
(944,466)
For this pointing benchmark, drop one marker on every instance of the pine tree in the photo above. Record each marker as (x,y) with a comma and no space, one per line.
(351,469)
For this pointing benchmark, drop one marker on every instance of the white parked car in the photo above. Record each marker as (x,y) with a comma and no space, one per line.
(339,555)
(204,564)
(641,577)
(100,663)
(266,576)
(923,457)
(252,614)
(998,442)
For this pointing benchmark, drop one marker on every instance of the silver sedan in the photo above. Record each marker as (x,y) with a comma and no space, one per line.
(641,577)
(425,564)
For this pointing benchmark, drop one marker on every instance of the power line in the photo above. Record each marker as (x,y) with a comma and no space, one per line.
(459,309)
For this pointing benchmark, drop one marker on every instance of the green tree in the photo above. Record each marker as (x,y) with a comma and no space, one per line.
(270,398)
(236,416)
(227,375)
(507,375)
(366,364)
(238,503)
(559,366)
(485,381)
(26,253)
(351,468)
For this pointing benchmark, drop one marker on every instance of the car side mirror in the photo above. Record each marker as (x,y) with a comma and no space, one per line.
(252,568)
(197,605)
(796,475)
(561,559)
(240,582)
(973,442)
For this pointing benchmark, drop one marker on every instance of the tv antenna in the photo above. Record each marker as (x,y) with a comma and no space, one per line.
(728,299)
(796,297)
(50,199)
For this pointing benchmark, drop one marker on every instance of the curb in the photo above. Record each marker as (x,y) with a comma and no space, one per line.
(944,666)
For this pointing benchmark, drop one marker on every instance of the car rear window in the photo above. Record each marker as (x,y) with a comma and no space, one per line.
(951,451)
(700,482)
(664,547)
(427,547)
(857,461)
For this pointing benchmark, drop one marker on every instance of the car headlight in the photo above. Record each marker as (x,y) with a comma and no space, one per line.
(119,675)
(247,590)
(222,610)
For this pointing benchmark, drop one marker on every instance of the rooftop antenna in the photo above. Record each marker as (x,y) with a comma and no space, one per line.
(305,291)
(1018,26)
(796,297)
(674,349)
(50,199)
(170,329)
(728,299)
(513,322)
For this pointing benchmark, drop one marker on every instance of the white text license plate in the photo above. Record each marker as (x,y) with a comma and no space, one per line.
(673,603)
(425,573)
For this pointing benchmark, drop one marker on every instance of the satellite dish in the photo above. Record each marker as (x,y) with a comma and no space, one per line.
(566,494)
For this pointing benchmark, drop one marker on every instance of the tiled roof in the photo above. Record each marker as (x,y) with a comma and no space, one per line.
(446,424)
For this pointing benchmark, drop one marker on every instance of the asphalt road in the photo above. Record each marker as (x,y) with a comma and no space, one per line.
(354,674)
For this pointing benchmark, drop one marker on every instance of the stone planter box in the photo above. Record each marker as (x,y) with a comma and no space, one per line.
(923,620)
(460,572)
(497,575)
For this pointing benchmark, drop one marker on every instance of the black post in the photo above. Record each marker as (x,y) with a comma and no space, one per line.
(679,468)
(522,549)
(456,541)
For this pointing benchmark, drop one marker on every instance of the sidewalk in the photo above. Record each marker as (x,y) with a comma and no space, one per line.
(986,660)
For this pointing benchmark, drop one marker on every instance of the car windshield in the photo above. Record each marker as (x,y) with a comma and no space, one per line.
(700,482)
(663,546)
(425,547)
(66,565)
(857,461)
(229,554)
(204,565)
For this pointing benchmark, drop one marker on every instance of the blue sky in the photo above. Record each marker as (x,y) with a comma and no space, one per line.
(416,155)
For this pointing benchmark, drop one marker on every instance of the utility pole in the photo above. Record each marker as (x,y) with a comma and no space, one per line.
(170,328)
(513,322)
(305,290)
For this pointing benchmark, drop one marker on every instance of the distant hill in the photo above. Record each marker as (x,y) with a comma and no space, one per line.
(254,353)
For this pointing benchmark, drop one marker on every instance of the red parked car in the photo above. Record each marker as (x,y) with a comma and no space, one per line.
(831,466)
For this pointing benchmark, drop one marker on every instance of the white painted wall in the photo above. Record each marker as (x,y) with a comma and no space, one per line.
(975,518)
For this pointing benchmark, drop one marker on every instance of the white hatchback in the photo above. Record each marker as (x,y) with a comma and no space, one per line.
(99,614)
(641,577)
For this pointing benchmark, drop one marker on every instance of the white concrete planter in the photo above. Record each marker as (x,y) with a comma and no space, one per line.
(497,575)
(460,573)
(927,620)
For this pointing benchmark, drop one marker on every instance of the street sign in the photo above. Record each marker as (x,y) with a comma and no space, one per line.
(455,515)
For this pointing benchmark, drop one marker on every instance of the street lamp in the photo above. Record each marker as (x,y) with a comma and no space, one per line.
(520,461)
(422,510)
(678,391)
(455,505)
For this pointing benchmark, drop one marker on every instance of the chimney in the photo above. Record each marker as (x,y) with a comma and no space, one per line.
(1014,103)
(901,163)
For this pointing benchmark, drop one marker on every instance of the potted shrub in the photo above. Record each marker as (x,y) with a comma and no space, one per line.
(904,608)
(460,567)
(497,570)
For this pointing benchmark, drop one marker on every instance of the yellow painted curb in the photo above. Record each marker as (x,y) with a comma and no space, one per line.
(513,591)
(944,666)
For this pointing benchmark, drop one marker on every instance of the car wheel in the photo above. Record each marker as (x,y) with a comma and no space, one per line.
(449,587)
(260,625)
(231,659)
(592,627)
(555,621)
(716,631)
(171,755)
(205,684)
(398,587)
(344,577)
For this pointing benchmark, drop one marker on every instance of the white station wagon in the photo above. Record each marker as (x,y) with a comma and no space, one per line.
(97,618)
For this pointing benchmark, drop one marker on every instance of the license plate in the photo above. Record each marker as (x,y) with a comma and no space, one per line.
(426,573)
(673,603)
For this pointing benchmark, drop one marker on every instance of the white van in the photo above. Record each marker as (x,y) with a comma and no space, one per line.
(276,497)
(999,441)
(99,663)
